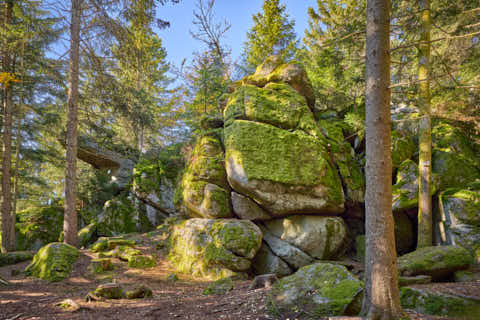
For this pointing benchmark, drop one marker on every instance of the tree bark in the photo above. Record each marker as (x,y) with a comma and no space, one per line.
(425,233)
(6,243)
(70,219)
(381,299)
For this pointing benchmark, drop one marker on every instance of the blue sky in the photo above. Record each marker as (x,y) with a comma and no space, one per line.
(179,43)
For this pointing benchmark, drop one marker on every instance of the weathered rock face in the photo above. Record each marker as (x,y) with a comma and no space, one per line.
(204,184)
(405,191)
(438,262)
(246,208)
(453,158)
(53,262)
(288,253)
(104,159)
(434,303)
(458,219)
(37,227)
(118,217)
(344,159)
(214,248)
(266,262)
(321,289)
(285,172)
(273,70)
(275,152)
(322,238)
(403,148)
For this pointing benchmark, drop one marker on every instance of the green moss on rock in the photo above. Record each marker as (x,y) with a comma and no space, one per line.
(53,262)
(109,291)
(38,226)
(219,287)
(14,257)
(141,262)
(438,262)
(433,303)
(204,187)
(403,148)
(291,163)
(100,265)
(213,249)
(86,235)
(321,289)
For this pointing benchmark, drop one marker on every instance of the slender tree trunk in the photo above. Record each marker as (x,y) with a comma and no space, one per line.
(70,220)
(425,225)
(7,144)
(381,300)
(18,146)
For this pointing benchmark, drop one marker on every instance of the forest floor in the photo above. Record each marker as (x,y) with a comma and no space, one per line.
(29,298)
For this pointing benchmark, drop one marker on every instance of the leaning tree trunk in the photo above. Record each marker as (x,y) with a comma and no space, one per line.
(381,300)
(425,233)
(70,219)
(6,243)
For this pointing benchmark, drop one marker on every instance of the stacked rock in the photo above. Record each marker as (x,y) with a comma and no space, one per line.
(273,164)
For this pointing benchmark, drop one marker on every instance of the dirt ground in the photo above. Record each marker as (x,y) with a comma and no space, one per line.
(29,298)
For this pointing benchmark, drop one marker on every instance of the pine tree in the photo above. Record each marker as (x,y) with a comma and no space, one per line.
(272,33)
(70,216)
(8,80)
(381,300)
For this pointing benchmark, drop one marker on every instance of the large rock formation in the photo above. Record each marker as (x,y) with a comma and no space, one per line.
(205,189)
(214,248)
(101,158)
(275,153)
(458,219)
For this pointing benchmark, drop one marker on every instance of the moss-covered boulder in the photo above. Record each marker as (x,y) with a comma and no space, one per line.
(405,190)
(276,104)
(274,70)
(403,148)
(100,265)
(345,160)
(214,248)
(458,217)
(454,169)
(53,262)
(14,257)
(109,291)
(204,187)
(439,262)
(285,172)
(141,292)
(219,287)
(86,235)
(119,216)
(320,237)
(439,304)
(141,262)
(321,289)
(38,226)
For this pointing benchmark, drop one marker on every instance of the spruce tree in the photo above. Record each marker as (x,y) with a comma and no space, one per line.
(272,33)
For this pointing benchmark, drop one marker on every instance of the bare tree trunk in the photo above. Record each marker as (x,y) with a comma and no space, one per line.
(18,142)
(70,220)
(425,226)
(381,300)
(7,144)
